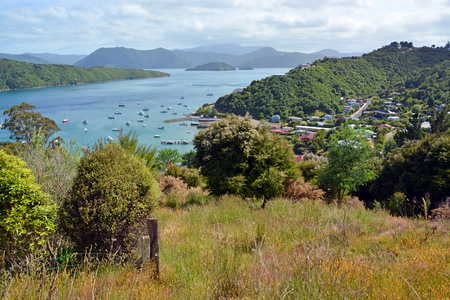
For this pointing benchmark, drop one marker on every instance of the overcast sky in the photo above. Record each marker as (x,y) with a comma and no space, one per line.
(83,26)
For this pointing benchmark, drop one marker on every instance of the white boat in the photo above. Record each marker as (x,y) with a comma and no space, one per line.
(65,121)
(115,129)
(85,130)
(146,109)
(85,122)
(141,113)
(183,124)
(140,120)
(160,127)
(169,108)
(109,138)
(156,136)
(111,117)
(143,125)
(128,123)
(163,111)
(117,113)
(174,113)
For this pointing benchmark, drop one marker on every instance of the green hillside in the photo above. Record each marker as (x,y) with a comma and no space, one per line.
(302,91)
(19,75)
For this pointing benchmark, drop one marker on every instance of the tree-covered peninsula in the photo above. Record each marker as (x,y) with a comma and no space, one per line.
(19,75)
(323,85)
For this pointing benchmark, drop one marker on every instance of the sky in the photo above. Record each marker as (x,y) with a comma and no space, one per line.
(83,26)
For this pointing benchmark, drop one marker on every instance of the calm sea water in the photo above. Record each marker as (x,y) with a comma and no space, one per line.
(96,102)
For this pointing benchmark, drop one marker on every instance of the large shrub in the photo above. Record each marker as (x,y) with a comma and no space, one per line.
(112,195)
(27,216)
(241,157)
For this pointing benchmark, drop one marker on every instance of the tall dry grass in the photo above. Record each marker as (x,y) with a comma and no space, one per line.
(228,249)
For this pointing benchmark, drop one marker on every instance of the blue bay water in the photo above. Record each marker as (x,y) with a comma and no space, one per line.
(95,102)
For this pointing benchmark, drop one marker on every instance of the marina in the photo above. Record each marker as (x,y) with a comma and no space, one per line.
(99,103)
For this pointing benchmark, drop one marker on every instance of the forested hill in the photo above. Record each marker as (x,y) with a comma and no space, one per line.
(421,72)
(20,75)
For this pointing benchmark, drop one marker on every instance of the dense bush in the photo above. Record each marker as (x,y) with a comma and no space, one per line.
(418,169)
(27,216)
(112,194)
(240,157)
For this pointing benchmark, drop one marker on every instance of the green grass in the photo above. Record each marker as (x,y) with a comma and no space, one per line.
(231,249)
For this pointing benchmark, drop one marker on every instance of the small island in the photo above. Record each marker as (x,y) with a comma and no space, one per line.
(213,66)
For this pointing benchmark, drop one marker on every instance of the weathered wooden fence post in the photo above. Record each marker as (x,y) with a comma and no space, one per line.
(152,225)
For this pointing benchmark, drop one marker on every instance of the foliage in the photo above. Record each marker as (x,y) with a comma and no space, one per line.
(348,164)
(27,216)
(226,249)
(188,159)
(129,142)
(311,165)
(238,156)
(19,75)
(415,169)
(54,167)
(23,121)
(190,176)
(112,195)
(167,156)
(413,131)
(303,91)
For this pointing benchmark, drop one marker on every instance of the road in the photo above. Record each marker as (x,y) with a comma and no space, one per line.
(360,111)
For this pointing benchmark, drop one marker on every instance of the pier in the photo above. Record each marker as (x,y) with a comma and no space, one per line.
(176,142)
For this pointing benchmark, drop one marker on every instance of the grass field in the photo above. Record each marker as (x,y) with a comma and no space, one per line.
(232,249)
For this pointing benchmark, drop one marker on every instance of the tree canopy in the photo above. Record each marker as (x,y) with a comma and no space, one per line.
(239,156)
(22,122)
(348,164)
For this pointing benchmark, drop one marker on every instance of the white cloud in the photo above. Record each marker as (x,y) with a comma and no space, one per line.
(82,26)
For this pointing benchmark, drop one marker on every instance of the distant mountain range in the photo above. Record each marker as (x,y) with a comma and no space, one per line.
(160,58)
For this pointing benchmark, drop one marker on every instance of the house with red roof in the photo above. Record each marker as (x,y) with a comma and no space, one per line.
(306,137)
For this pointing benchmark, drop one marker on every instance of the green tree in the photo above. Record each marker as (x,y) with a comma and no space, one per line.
(112,195)
(168,156)
(22,121)
(188,159)
(27,216)
(238,156)
(440,121)
(413,131)
(348,164)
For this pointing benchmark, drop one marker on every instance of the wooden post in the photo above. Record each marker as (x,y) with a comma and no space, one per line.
(152,225)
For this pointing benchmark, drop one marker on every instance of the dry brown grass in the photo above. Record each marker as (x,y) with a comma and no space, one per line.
(299,190)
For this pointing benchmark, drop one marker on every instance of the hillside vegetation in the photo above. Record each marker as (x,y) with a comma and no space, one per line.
(19,75)
(320,87)
(229,250)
